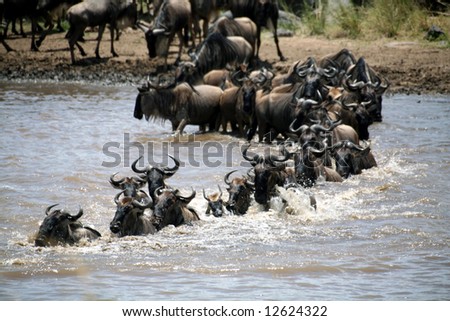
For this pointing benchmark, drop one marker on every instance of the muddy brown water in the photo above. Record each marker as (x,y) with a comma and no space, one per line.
(382,235)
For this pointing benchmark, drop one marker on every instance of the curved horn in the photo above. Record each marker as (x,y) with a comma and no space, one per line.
(143,206)
(115,183)
(226,178)
(79,214)
(349,106)
(187,199)
(116,198)
(353,146)
(136,170)
(158,31)
(220,190)
(330,72)
(204,195)
(281,158)
(316,128)
(337,145)
(300,129)
(170,171)
(143,27)
(317,152)
(244,154)
(49,208)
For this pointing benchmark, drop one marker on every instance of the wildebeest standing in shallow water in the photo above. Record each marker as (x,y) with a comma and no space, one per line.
(180,104)
(60,227)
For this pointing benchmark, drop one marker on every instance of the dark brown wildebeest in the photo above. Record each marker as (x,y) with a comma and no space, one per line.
(60,227)
(351,159)
(269,172)
(368,86)
(156,175)
(130,218)
(240,190)
(172,209)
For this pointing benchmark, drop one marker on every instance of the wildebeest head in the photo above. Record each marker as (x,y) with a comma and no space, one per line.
(267,174)
(348,157)
(308,162)
(215,203)
(130,185)
(60,227)
(248,96)
(156,175)
(159,35)
(369,85)
(362,116)
(239,190)
(314,80)
(157,43)
(127,213)
(310,135)
(156,99)
(169,207)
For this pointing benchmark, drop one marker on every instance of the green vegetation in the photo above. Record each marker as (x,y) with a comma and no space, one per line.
(371,20)
(348,19)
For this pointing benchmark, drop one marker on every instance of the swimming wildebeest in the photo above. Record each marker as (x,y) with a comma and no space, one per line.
(60,227)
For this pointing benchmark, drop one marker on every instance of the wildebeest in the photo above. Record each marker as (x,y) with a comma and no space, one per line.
(351,159)
(130,217)
(276,111)
(130,185)
(91,13)
(269,172)
(218,51)
(309,166)
(341,61)
(180,104)
(242,27)
(237,106)
(240,190)
(215,204)
(60,227)
(245,109)
(156,175)
(364,82)
(172,208)
(264,13)
(174,17)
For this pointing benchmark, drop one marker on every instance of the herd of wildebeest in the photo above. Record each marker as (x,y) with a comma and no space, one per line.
(318,113)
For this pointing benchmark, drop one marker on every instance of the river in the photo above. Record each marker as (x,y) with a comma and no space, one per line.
(381,235)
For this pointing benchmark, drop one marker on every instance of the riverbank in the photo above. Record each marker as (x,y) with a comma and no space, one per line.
(410,66)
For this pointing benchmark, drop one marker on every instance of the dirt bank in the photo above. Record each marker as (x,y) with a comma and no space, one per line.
(411,67)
